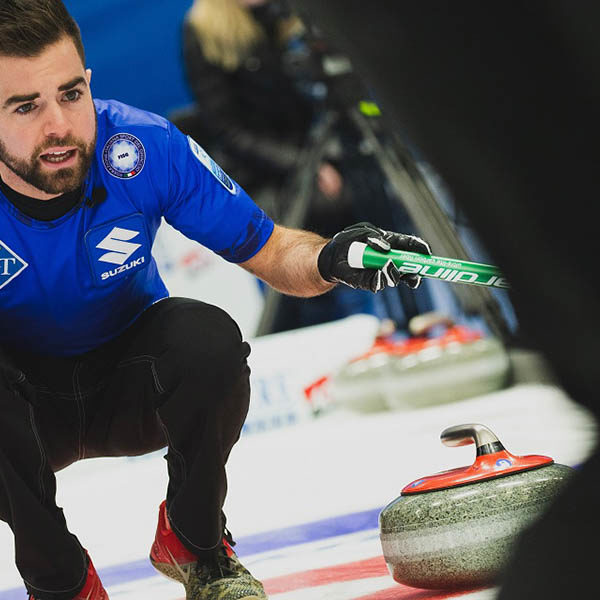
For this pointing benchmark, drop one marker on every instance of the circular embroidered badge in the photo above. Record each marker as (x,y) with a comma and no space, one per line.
(124,156)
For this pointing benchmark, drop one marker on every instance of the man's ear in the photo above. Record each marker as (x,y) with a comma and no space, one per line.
(88,74)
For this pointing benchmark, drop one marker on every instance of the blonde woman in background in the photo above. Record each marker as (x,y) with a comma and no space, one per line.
(246,62)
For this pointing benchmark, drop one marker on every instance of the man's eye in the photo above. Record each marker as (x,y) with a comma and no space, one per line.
(72,95)
(25,108)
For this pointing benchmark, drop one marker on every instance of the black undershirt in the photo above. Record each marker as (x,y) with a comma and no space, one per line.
(42,210)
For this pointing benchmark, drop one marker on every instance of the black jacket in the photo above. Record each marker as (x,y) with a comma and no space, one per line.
(255,119)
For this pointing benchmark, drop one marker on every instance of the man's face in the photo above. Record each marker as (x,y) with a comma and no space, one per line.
(47,121)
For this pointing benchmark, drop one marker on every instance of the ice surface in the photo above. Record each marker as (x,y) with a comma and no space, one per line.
(339,464)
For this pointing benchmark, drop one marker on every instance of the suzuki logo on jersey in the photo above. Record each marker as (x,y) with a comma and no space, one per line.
(116,241)
(11,264)
(123,244)
(134,263)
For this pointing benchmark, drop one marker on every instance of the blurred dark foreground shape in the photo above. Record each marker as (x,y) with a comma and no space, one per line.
(501,98)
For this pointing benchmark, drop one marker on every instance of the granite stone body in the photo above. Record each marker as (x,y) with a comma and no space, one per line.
(461,537)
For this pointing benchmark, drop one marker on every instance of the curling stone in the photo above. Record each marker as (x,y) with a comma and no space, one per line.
(428,369)
(455,529)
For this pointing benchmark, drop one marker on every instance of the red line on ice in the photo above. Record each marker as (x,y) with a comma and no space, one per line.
(362,569)
(403,592)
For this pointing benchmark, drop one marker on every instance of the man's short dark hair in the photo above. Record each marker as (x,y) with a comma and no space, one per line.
(28,27)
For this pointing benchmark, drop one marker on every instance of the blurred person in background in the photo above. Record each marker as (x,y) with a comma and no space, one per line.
(263,83)
(95,358)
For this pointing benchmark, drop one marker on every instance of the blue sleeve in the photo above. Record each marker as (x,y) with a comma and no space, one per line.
(206,205)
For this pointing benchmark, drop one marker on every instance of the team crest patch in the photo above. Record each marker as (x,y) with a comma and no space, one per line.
(211,165)
(124,156)
(11,264)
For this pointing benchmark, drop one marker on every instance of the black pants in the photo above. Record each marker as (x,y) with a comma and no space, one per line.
(178,377)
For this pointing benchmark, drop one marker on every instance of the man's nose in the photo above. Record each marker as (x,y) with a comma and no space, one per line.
(56,122)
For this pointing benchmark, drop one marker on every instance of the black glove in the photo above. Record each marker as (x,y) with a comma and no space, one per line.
(333,258)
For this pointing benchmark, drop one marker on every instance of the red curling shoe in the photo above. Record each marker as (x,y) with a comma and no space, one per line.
(92,589)
(168,555)
(220,576)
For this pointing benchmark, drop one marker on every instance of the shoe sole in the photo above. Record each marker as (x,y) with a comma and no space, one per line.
(174,574)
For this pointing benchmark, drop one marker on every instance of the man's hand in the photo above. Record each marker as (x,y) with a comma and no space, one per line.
(333,259)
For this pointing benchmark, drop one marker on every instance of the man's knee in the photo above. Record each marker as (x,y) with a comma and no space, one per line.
(204,343)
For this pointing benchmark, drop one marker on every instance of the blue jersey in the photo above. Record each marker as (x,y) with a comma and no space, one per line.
(69,285)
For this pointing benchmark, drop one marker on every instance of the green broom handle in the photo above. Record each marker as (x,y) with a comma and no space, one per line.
(361,256)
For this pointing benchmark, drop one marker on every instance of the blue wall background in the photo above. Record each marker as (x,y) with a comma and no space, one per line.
(134,50)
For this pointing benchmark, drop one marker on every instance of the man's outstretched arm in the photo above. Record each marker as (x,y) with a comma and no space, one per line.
(301,263)
(288,262)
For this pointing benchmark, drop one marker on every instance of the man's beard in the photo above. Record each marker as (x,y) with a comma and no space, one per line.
(59,181)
